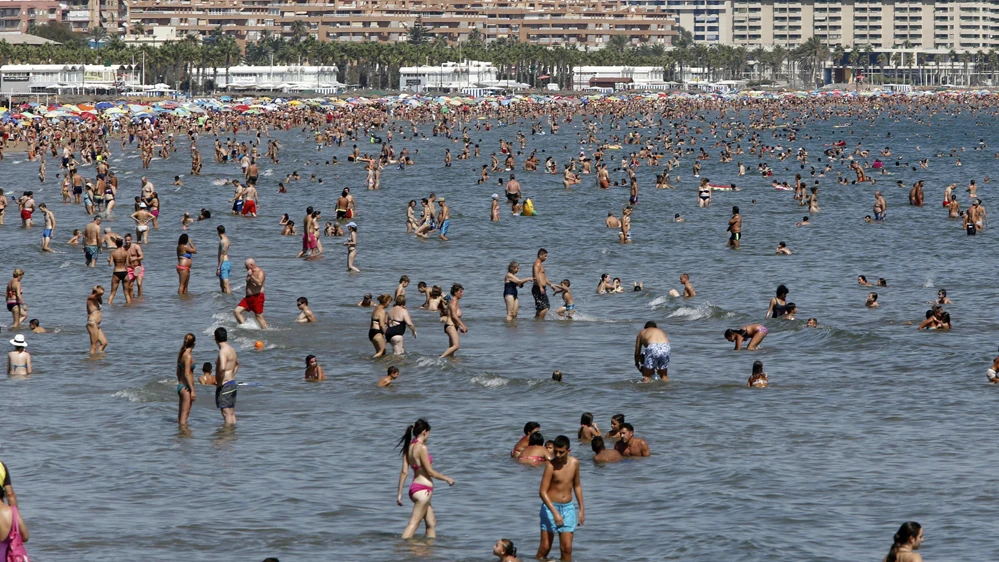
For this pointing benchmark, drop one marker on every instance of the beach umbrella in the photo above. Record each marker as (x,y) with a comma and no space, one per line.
(104,105)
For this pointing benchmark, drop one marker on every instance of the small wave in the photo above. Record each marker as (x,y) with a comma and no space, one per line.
(659,301)
(268,173)
(133,394)
(65,264)
(490,381)
(220,320)
(928,284)
(219,181)
(432,362)
(700,312)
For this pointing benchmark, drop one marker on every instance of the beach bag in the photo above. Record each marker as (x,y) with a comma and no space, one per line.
(15,550)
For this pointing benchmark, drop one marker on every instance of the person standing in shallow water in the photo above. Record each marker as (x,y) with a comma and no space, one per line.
(907,540)
(415,455)
(735,229)
(185,379)
(558,514)
(655,360)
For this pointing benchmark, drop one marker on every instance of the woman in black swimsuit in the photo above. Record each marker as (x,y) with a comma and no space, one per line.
(398,319)
(510,285)
(376,331)
(778,304)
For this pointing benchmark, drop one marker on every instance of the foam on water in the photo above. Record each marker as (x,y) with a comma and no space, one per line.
(490,381)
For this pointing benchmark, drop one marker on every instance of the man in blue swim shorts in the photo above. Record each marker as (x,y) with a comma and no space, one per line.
(655,360)
(224,268)
(50,223)
(558,514)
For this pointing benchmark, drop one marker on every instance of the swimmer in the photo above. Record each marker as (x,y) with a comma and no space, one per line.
(601,453)
(778,304)
(206,378)
(862,281)
(907,540)
(366,301)
(587,428)
(15,299)
(376,329)
(558,514)
(656,358)
(735,229)
(803,222)
(389,378)
(812,323)
(19,360)
(185,251)
(453,324)
(758,379)
(98,343)
(305,314)
(629,445)
(254,296)
(677,218)
(510,285)
(398,319)
(754,333)
(186,394)
(313,370)
(942,297)
(568,304)
(35,327)
(872,300)
(557,375)
(535,453)
(529,428)
(505,551)
(611,221)
(415,455)
(688,289)
(782,250)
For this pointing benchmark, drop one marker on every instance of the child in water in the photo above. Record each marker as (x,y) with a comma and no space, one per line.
(568,304)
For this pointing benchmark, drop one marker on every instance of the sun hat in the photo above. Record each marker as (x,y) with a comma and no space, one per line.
(18,341)
(351,224)
(495,196)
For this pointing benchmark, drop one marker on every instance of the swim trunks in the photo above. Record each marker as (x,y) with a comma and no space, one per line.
(249,207)
(657,356)
(540,298)
(225,269)
(92,252)
(225,395)
(735,236)
(445,226)
(47,233)
(253,303)
(972,229)
(512,197)
(879,216)
(135,272)
(26,213)
(568,513)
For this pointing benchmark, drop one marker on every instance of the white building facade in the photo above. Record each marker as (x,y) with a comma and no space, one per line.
(288,79)
(67,78)
(448,76)
(618,77)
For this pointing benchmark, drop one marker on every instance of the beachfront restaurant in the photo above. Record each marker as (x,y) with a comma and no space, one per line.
(287,79)
(19,79)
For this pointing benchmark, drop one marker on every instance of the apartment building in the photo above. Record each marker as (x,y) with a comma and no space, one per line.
(19,15)
(584,24)
(922,24)
(708,21)
(83,15)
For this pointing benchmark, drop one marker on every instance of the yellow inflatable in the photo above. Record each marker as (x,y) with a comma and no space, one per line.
(528,210)
(613,147)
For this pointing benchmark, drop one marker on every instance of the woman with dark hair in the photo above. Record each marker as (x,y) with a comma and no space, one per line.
(529,428)
(505,550)
(185,251)
(617,420)
(185,379)
(758,379)
(754,333)
(908,539)
(416,456)
(587,429)
(778,304)
(535,453)
(452,321)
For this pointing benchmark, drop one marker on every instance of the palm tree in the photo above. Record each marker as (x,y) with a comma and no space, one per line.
(618,43)
(97,35)
(815,50)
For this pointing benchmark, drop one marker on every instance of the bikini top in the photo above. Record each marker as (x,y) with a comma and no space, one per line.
(187,255)
(429,457)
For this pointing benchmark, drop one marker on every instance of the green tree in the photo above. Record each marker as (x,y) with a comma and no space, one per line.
(418,34)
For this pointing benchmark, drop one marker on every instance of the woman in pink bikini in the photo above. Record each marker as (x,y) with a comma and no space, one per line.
(416,456)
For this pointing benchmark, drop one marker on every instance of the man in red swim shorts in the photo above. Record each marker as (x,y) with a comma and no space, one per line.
(254,299)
